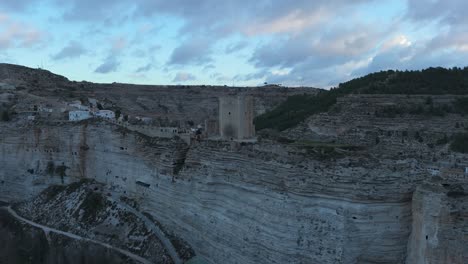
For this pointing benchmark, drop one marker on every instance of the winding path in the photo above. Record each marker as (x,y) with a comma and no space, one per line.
(47,230)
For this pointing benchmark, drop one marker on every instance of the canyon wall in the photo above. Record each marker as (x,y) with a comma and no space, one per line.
(234,203)
(440,224)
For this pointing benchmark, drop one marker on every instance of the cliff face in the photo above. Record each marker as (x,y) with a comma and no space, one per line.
(346,199)
(440,224)
(234,203)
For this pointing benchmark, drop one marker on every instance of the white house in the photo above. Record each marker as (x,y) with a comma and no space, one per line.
(105,114)
(78,115)
(434,171)
(78,105)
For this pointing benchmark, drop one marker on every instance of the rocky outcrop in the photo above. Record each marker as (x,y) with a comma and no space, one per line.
(22,243)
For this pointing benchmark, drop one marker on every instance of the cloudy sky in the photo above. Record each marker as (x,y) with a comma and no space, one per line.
(235,42)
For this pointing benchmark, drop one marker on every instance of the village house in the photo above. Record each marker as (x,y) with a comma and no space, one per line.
(79,106)
(108,114)
(79,115)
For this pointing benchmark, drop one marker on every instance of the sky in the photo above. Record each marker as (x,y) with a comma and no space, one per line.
(317,43)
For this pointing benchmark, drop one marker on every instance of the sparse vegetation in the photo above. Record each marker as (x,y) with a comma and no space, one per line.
(50,169)
(5,116)
(461,105)
(460,143)
(92,204)
(442,141)
(53,191)
(61,170)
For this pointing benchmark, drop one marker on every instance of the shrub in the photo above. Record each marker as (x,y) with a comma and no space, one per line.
(92,204)
(117,113)
(5,116)
(461,105)
(50,169)
(460,143)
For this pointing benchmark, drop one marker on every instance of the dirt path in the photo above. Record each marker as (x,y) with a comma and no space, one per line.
(47,230)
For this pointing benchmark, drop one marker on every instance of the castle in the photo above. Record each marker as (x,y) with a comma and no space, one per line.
(236,117)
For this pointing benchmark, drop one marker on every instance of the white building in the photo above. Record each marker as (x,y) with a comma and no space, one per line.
(78,105)
(466,170)
(105,114)
(78,115)
(434,171)
(45,109)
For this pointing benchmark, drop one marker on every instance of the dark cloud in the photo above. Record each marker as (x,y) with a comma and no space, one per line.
(318,49)
(90,10)
(192,51)
(145,68)
(234,47)
(183,77)
(16,5)
(110,64)
(452,12)
(209,67)
(72,50)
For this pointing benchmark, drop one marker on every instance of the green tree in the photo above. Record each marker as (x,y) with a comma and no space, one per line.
(5,116)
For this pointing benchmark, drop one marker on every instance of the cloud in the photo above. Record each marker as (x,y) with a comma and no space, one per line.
(294,21)
(183,77)
(192,51)
(209,67)
(17,34)
(318,49)
(16,5)
(119,44)
(451,12)
(91,10)
(110,64)
(72,50)
(234,47)
(145,68)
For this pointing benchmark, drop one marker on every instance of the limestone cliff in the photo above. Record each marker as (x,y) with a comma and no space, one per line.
(234,203)
(440,224)
(339,188)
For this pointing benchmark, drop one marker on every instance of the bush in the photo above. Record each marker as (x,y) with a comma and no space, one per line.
(50,169)
(92,204)
(460,143)
(5,116)
(461,105)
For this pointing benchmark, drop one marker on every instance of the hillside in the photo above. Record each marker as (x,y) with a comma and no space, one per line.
(431,81)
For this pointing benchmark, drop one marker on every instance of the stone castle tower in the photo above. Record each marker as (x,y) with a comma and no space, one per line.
(236,115)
